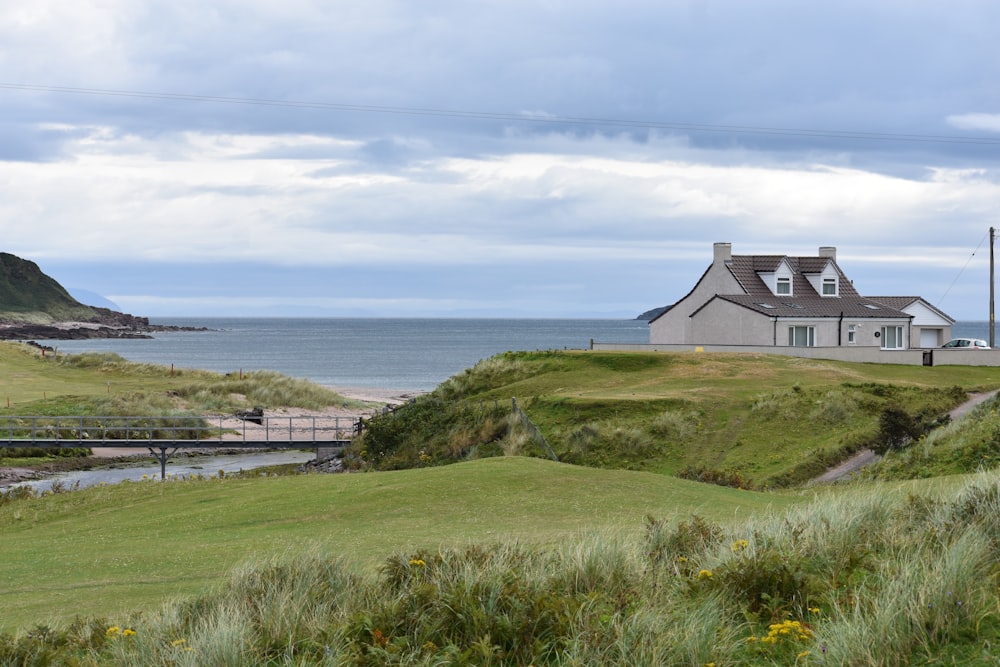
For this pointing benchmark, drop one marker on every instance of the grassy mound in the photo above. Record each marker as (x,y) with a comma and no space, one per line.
(751,421)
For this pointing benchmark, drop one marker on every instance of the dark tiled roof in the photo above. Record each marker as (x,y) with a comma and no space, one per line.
(806,301)
(901,302)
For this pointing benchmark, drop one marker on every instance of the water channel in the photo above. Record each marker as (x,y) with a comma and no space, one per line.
(177,468)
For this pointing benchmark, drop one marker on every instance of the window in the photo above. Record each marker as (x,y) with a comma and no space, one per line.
(852,331)
(892,338)
(829,287)
(802,336)
(783,286)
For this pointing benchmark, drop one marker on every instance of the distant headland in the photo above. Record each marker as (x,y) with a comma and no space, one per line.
(35,306)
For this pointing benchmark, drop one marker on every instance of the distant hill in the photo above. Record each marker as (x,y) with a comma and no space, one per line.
(29,296)
(653,313)
(34,305)
(92,298)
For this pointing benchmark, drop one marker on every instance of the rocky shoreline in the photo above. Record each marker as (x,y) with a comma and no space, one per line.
(109,324)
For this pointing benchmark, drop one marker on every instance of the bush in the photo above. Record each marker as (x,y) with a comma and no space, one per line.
(731,478)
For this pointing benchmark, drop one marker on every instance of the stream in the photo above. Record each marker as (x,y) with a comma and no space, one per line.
(177,468)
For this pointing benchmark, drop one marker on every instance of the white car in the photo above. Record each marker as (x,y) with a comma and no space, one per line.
(967,344)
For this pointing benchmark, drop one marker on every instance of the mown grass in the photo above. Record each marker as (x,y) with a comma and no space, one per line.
(752,420)
(114,548)
(879,576)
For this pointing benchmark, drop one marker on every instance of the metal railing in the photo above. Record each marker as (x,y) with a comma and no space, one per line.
(185,431)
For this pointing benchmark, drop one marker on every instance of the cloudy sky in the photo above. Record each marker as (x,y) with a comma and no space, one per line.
(494,158)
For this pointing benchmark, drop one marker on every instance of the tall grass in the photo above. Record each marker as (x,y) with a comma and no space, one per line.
(867,578)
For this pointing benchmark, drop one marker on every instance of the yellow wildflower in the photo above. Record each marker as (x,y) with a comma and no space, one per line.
(740,545)
(418,562)
(704,574)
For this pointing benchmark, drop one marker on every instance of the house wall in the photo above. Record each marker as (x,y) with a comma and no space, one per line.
(674,326)
(721,322)
(867,354)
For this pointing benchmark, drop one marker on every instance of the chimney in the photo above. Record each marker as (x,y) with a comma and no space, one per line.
(723,252)
(828,251)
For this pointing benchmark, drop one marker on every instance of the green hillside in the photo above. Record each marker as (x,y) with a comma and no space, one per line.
(28,295)
(754,421)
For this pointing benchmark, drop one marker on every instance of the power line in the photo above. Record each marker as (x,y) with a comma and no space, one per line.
(515,117)
(962,270)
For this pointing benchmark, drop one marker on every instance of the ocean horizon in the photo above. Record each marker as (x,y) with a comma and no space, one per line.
(408,354)
(385,353)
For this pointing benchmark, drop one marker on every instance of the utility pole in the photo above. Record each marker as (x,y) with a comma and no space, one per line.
(993,232)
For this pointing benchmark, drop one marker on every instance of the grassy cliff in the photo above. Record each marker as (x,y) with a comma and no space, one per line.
(28,295)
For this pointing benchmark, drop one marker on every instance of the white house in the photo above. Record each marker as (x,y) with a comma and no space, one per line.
(780,300)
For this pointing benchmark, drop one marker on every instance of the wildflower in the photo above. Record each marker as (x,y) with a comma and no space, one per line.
(178,642)
(814,610)
(802,654)
(740,545)
(682,559)
(787,630)
(417,562)
(113,631)
(704,574)
(128,632)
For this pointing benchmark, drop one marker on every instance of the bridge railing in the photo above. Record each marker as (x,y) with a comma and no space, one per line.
(143,431)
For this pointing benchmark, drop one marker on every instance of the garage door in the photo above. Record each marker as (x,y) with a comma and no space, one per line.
(930,337)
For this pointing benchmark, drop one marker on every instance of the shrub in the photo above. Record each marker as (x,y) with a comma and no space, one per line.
(731,478)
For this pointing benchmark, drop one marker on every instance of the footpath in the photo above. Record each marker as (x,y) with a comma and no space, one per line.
(866,457)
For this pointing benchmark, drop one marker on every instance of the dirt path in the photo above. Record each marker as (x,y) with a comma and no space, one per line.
(866,457)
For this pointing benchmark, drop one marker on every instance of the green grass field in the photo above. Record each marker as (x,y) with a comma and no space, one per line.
(103,550)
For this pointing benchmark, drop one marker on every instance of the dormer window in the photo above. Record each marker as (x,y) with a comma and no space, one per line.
(829,287)
(783,285)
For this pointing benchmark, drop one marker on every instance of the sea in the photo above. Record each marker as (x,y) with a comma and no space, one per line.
(384,353)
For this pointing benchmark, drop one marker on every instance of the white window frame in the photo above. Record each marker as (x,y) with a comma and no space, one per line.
(809,332)
(897,336)
(831,283)
(780,282)
(852,334)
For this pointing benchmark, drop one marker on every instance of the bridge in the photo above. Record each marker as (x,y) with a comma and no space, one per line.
(163,436)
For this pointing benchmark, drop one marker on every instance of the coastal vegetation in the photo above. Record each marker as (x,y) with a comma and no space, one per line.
(34,382)
(561,532)
(751,421)
(500,562)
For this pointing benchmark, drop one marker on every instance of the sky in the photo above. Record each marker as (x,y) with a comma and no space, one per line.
(493,158)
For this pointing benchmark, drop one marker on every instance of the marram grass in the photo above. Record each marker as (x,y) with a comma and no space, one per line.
(869,577)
